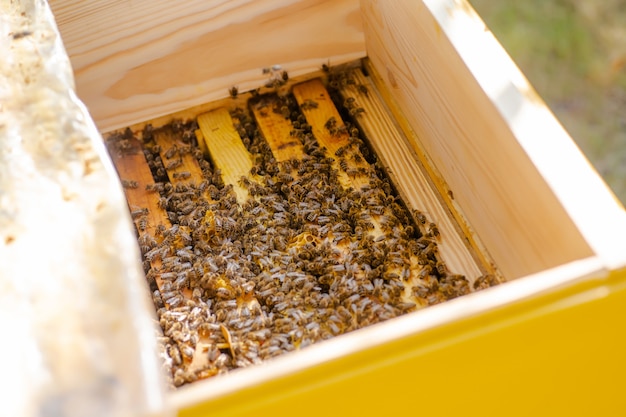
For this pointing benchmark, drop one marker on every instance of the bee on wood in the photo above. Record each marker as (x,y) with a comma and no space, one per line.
(326,67)
(139,212)
(233,92)
(174,164)
(309,104)
(420,216)
(171,152)
(182,175)
(356,111)
(130,184)
(441,267)
(142,224)
(154,187)
(330,123)
(284,75)
(433,230)
(362,89)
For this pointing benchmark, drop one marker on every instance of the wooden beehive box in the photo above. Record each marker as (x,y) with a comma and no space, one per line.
(501,176)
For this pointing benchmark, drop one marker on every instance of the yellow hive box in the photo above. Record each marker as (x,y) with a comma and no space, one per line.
(524,198)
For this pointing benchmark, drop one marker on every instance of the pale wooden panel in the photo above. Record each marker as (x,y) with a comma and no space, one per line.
(142,59)
(187,171)
(500,191)
(227,151)
(318,117)
(277,131)
(132,166)
(403,167)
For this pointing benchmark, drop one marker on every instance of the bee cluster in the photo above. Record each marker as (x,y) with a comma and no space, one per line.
(303,259)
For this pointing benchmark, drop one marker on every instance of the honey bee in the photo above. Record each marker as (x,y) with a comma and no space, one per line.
(182,175)
(420,216)
(441,267)
(174,164)
(330,123)
(130,184)
(433,230)
(233,92)
(154,187)
(142,224)
(309,104)
(171,152)
(357,111)
(284,75)
(139,212)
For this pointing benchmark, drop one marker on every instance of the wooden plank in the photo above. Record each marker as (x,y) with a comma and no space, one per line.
(318,108)
(392,149)
(277,131)
(132,167)
(505,198)
(134,61)
(332,137)
(182,167)
(227,151)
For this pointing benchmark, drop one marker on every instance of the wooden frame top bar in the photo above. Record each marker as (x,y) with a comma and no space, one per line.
(135,61)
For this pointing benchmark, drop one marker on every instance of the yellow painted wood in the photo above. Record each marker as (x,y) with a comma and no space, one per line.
(498,187)
(393,150)
(227,151)
(138,60)
(554,354)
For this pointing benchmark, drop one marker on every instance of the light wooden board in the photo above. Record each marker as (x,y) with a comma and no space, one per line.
(188,163)
(132,166)
(227,151)
(403,167)
(499,189)
(318,117)
(138,60)
(277,132)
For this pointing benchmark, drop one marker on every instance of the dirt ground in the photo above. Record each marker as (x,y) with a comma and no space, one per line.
(574,54)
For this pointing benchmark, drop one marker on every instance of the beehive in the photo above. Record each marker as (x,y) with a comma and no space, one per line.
(503,174)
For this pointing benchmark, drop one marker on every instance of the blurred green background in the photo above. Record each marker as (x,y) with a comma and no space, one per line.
(574,53)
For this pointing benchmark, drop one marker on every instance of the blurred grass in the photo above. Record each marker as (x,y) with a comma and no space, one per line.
(574,53)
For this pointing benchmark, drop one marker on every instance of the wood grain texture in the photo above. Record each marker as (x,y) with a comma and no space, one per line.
(277,131)
(167,140)
(319,117)
(499,189)
(442,190)
(132,166)
(138,60)
(406,172)
(227,151)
